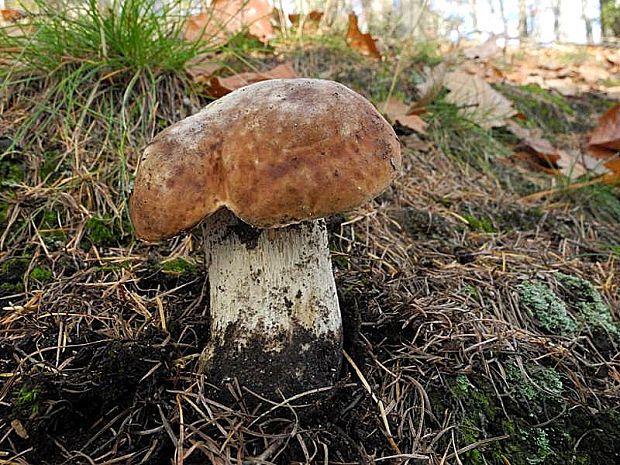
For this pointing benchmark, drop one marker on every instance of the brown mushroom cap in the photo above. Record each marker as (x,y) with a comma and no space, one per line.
(276,152)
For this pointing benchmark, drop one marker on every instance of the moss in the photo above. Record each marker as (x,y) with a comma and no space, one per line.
(14,268)
(11,171)
(589,302)
(53,167)
(178,266)
(4,210)
(99,231)
(541,108)
(26,401)
(549,311)
(542,384)
(10,288)
(460,387)
(471,291)
(538,437)
(41,274)
(484,223)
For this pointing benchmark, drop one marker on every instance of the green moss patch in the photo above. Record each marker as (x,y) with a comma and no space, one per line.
(178,266)
(40,274)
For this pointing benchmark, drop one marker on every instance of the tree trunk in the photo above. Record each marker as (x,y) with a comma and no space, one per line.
(522,20)
(610,18)
(275,318)
(474,14)
(587,21)
(556,19)
(504,20)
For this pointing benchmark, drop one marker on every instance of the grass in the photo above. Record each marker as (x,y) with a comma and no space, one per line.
(99,83)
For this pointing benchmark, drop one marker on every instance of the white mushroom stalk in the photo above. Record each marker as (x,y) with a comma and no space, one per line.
(273,306)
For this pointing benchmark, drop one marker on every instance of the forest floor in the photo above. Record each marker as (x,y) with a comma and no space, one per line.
(480,295)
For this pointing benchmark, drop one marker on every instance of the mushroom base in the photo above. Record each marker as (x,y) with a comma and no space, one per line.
(275,318)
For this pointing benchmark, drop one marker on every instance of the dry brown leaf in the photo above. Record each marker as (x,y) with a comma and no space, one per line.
(431,87)
(532,138)
(310,23)
(414,142)
(225,18)
(612,92)
(201,68)
(397,111)
(483,51)
(566,87)
(537,150)
(477,99)
(591,74)
(600,160)
(11,15)
(487,70)
(607,132)
(219,86)
(361,43)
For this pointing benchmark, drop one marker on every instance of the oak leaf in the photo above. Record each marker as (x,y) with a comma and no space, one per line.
(397,111)
(220,86)
(477,99)
(607,132)
(361,43)
(225,18)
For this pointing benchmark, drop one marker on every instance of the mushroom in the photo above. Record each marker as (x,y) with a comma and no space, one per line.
(262,166)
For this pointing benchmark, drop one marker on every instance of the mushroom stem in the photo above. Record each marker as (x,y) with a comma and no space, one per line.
(275,318)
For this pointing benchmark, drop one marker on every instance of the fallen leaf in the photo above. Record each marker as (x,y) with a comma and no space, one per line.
(414,142)
(533,139)
(361,43)
(537,150)
(202,68)
(607,132)
(592,74)
(484,50)
(432,85)
(397,111)
(225,18)
(566,87)
(219,86)
(19,429)
(612,92)
(477,99)
(488,71)
(11,15)
(601,161)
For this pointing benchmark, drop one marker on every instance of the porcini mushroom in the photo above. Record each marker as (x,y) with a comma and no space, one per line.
(261,166)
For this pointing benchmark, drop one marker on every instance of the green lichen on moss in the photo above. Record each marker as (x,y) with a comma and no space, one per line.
(40,274)
(538,437)
(589,303)
(460,386)
(532,409)
(549,311)
(538,384)
(178,266)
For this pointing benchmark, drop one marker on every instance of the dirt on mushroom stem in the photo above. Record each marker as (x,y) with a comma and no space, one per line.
(275,319)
